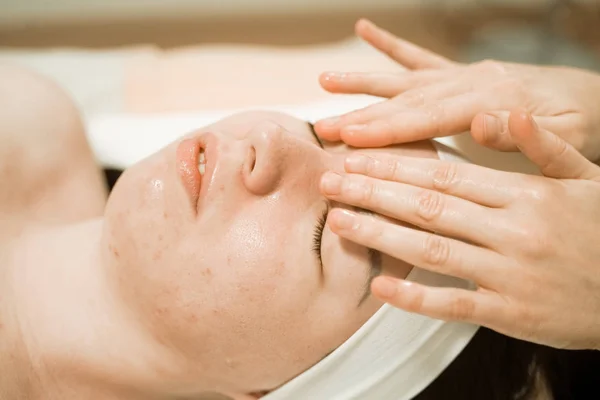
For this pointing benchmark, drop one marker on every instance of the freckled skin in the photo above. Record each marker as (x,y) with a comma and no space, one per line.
(237,289)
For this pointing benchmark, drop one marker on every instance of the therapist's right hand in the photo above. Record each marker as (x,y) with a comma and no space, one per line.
(531,244)
(437,97)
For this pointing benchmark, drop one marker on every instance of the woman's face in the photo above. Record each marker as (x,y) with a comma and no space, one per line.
(229,267)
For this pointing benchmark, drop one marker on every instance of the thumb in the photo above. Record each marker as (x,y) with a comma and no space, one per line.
(490,129)
(555,157)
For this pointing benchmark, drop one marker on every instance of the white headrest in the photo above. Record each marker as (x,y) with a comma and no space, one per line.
(393,356)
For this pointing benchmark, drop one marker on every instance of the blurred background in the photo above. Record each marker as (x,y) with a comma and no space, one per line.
(149,56)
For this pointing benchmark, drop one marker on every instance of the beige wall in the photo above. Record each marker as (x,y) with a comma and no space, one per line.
(18,12)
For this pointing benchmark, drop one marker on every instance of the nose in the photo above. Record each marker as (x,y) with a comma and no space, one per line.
(263,169)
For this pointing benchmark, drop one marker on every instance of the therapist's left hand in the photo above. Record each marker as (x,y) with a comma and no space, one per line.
(530,243)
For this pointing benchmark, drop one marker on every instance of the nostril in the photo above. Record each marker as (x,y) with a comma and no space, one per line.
(251,158)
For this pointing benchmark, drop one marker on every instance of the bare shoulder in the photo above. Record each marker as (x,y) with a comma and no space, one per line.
(47,170)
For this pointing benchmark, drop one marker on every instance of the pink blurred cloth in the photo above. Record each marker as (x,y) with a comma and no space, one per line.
(217,77)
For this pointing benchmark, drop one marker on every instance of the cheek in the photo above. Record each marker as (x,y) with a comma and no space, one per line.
(253,270)
(143,227)
(138,218)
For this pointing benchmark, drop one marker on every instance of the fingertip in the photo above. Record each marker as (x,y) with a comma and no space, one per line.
(342,221)
(371,134)
(330,183)
(325,77)
(358,136)
(327,130)
(490,129)
(385,287)
(331,80)
(362,24)
(521,123)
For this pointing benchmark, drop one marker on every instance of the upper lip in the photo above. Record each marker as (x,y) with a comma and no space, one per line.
(188,157)
(208,143)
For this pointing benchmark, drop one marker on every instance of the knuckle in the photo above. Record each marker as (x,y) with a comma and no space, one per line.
(369,193)
(436,250)
(461,308)
(356,189)
(414,98)
(491,66)
(435,114)
(372,166)
(413,302)
(394,170)
(538,245)
(533,241)
(444,176)
(430,205)
(544,192)
(561,147)
(370,231)
(528,323)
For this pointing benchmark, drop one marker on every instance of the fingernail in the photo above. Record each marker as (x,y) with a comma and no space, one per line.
(329,121)
(491,127)
(331,183)
(385,287)
(356,163)
(345,219)
(334,76)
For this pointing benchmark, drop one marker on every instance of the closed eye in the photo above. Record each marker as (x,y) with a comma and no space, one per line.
(318,236)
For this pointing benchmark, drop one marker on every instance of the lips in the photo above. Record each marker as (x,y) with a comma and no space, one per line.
(195,161)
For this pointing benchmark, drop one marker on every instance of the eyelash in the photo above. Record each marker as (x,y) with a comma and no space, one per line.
(318,234)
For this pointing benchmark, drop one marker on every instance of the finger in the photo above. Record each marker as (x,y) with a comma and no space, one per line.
(555,157)
(417,97)
(408,54)
(446,117)
(329,129)
(448,304)
(484,186)
(423,249)
(427,209)
(378,84)
(571,128)
(490,129)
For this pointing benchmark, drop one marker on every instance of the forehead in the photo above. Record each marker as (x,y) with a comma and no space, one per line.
(242,122)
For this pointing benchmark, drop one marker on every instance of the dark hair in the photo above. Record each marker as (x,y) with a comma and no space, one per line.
(111,176)
(497,367)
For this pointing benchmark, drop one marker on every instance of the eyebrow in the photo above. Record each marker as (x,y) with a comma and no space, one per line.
(311,126)
(375,263)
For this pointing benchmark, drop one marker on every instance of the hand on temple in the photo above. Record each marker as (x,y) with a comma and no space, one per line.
(530,243)
(438,97)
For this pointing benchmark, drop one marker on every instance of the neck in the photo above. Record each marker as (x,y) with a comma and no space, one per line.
(63,330)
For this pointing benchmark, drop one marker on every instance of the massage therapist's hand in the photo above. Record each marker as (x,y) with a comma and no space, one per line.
(437,97)
(530,243)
